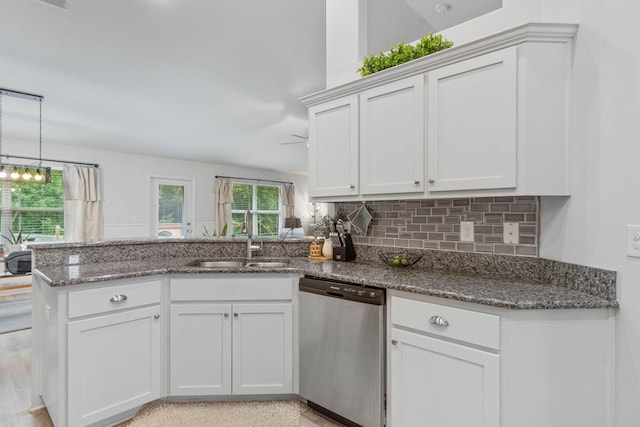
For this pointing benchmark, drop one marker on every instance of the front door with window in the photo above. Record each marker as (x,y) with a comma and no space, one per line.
(171,207)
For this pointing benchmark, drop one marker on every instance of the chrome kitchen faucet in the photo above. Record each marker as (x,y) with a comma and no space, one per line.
(247,228)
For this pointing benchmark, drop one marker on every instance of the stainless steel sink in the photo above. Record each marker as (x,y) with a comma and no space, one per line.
(267,264)
(217,264)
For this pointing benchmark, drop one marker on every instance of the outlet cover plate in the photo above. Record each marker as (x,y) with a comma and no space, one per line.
(633,240)
(466,231)
(511,233)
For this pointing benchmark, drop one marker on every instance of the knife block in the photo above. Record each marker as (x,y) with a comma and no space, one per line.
(346,252)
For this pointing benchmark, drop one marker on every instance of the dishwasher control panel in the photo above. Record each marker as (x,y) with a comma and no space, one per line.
(346,291)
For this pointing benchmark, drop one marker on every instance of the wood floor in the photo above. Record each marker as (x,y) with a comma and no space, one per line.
(15,387)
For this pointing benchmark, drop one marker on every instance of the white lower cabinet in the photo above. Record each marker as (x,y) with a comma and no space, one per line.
(114,364)
(448,384)
(200,349)
(458,364)
(220,344)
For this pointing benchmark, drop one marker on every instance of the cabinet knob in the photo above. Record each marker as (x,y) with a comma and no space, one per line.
(438,321)
(352,187)
(118,298)
(394,342)
(416,182)
(226,315)
(431,180)
(236,315)
(156,316)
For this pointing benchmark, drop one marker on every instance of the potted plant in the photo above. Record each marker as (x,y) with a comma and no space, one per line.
(14,241)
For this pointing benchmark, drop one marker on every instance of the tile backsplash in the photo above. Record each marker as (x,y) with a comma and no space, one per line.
(435,223)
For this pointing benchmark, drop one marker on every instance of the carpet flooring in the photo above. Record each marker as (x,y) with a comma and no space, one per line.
(281,413)
(15,315)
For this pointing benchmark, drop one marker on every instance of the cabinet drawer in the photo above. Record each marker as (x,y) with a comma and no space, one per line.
(455,323)
(232,288)
(104,300)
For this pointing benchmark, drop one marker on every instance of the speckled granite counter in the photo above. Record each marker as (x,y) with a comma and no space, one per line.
(498,292)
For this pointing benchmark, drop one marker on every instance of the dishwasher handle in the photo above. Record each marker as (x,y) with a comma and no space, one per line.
(335,294)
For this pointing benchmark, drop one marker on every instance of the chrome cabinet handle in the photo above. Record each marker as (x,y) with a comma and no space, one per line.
(438,321)
(156,316)
(431,180)
(394,342)
(118,298)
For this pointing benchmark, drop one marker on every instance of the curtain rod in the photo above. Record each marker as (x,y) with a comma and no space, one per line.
(19,94)
(9,156)
(254,179)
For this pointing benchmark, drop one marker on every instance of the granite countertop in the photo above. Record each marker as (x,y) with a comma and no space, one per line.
(497,292)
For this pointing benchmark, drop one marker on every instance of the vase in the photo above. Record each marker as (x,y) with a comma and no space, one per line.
(327,248)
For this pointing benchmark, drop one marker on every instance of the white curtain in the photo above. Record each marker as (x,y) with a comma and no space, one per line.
(82,203)
(288,196)
(223,194)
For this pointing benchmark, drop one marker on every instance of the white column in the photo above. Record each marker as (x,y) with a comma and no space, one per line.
(346,39)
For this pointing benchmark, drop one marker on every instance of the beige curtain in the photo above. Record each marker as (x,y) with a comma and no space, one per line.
(83,220)
(223,194)
(288,196)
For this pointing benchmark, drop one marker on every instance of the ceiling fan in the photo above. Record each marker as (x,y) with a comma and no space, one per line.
(303,140)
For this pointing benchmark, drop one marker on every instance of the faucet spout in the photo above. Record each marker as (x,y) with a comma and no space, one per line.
(247,228)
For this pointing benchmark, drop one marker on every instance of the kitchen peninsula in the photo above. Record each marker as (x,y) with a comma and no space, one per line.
(139,293)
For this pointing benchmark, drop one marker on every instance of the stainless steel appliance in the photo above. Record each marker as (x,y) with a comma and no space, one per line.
(342,350)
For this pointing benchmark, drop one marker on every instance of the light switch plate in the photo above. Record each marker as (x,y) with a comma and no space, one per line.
(511,233)
(466,231)
(633,240)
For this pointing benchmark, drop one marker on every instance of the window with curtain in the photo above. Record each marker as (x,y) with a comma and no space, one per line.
(33,207)
(264,203)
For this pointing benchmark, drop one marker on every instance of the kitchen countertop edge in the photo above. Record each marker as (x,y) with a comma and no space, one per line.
(504,293)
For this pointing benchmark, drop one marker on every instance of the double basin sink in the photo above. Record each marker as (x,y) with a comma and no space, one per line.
(238,264)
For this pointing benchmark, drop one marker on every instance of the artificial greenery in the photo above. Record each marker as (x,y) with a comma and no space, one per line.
(324,225)
(16,239)
(402,53)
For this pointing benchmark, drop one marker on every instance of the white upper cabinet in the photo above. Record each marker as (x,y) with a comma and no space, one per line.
(486,118)
(333,148)
(472,115)
(392,137)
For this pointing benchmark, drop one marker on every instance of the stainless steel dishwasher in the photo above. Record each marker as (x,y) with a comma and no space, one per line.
(342,367)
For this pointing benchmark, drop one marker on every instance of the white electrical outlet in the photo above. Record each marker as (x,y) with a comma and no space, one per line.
(466,231)
(633,240)
(511,232)
(74,259)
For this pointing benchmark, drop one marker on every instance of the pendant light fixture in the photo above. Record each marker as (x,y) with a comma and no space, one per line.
(23,172)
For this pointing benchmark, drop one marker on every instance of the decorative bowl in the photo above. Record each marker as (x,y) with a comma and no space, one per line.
(400,259)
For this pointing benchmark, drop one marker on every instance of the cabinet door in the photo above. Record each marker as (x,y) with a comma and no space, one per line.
(200,349)
(392,137)
(333,148)
(262,348)
(438,383)
(472,114)
(114,364)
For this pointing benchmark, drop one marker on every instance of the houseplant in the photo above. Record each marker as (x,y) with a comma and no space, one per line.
(14,241)
(402,53)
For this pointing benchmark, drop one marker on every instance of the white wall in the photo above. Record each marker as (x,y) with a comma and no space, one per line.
(126,178)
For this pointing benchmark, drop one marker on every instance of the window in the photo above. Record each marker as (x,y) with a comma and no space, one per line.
(35,208)
(264,203)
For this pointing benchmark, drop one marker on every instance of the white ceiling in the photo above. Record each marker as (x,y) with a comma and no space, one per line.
(207,80)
